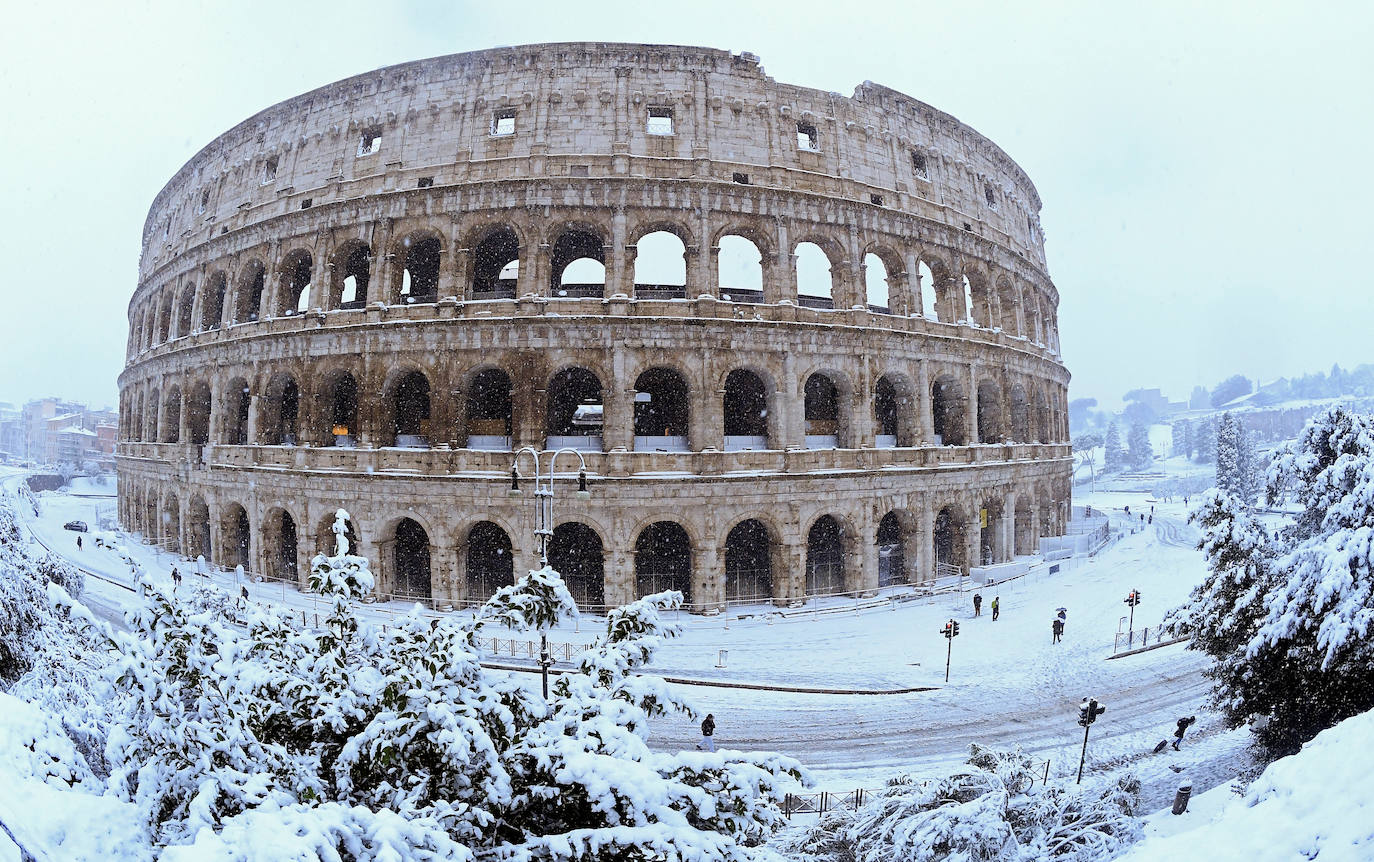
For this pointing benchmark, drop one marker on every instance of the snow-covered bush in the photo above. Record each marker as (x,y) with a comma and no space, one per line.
(354,742)
(1289,615)
(29,625)
(979,814)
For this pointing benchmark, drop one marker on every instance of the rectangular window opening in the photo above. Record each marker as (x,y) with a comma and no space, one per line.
(503,122)
(918,163)
(305,204)
(876,200)
(204,200)
(742,179)
(808,138)
(269,170)
(988,195)
(424,182)
(660,121)
(370,141)
(579,170)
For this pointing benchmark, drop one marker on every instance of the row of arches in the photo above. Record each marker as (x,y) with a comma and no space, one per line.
(573,259)
(752,563)
(665,411)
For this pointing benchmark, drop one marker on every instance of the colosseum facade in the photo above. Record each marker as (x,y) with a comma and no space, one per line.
(803,343)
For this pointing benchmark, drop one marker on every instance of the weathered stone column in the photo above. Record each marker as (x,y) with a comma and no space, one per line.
(708,583)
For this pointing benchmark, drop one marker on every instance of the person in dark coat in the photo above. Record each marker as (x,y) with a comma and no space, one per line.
(1057,627)
(176,578)
(1183,725)
(708,731)
(977,604)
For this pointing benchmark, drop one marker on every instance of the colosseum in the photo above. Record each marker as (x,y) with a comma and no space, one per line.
(800,343)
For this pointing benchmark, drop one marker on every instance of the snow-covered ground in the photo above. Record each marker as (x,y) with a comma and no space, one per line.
(1009,685)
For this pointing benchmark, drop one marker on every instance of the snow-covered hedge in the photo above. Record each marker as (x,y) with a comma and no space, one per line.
(28,621)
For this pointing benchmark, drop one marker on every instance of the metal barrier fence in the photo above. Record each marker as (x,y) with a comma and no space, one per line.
(820,803)
(1129,640)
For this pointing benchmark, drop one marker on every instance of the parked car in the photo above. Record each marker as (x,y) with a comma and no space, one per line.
(78,526)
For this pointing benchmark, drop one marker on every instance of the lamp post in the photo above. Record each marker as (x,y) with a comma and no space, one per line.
(543,519)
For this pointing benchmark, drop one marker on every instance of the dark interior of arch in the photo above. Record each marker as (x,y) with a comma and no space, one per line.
(748,563)
(574,245)
(198,415)
(885,403)
(575,553)
(947,413)
(250,294)
(240,540)
(568,390)
(239,401)
(412,560)
(199,516)
(821,407)
(282,419)
(411,403)
(745,405)
(891,560)
(949,539)
(214,302)
(356,269)
(489,404)
(422,271)
(343,406)
(663,560)
(488,259)
(297,275)
(286,546)
(490,561)
(666,411)
(824,557)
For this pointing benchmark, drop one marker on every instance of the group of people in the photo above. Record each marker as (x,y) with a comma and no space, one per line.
(978,606)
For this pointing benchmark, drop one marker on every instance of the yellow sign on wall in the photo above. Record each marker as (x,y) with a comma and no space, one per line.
(983,518)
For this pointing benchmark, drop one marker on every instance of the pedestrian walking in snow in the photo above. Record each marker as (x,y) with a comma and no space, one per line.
(78,543)
(1128,510)
(1062,614)
(995,608)
(1150,520)
(176,578)
(708,731)
(977,604)
(243,595)
(1183,725)
(1057,629)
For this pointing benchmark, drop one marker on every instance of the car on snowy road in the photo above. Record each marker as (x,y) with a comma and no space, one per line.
(78,526)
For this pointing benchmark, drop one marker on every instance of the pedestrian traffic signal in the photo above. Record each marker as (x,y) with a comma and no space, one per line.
(950,629)
(1088,711)
(956,627)
(1133,598)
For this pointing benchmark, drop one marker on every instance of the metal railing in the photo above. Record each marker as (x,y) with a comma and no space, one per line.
(825,800)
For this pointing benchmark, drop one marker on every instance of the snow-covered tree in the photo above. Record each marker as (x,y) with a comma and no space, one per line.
(1249,466)
(1183,438)
(1205,438)
(1115,457)
(1138,451)
(1289,616)
(1228,455)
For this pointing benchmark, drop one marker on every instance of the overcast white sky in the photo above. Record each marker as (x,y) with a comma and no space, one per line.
(1205,167)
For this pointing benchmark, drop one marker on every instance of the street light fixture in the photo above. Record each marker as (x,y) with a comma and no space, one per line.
(543,520)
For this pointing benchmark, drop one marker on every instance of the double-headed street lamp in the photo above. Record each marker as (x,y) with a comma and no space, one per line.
(543,519)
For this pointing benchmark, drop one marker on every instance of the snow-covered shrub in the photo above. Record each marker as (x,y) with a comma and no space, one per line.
(33,744)
(1289,615)
(979,814)
(29,625)
(364,743)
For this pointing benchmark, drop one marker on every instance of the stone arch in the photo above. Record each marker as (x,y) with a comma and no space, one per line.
(660,264)
(164,316)
(663,560)
(574,410)
(949,540)
(186,311)
(171,415)
(752,553)
(878,282)
(489,413)
(747,409)
(237,531)
(410,560)
(212,302)
(171,522)
(279,422)
(992,531)
(296,275)
(281,544)
(1030,305)
(739,268)
(338,408)
(151,416)
(489,560)
(989,411)
(238,401)
(198,527)
(1026,540)
(352,275)
(894,410)
(248,297)
(495,263)
(815,275)
(1047,513)
(577,261)
(827,546)
(1040,414)
(198,413)
(949,411)
(662,410)
(826,398)
(576,551)
(891,540)
(1018,419)
(1008,300)
(407,407)
(419,257)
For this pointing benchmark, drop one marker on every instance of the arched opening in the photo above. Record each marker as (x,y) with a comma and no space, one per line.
(1020,415)
(353,272)
(496,265)
(965,301)
(877,289)
(198,414)
(739,267)
(575,553)
(342,407)
(991,534)
(1027,542)
(490,561)
(251,285)
(280,421)
(237,402)
(749,551)
(1042,417)
(891,556)
(814,286)
(171,416)
(420,271)
(237,538)
(926,287)
(574,411)
(212,309)
(295,283)
(410,411)
(746,411)
(164,318)
(663,560)
(186,312)
(171,524)
(950,543)
(1047,513)
(660,266)
(825,557)
(1007,301)
(948,408)
(279,537)
(989,412)
(578,265)
(150,418)
(1031,313)
(893,409)
(410,554)
(661,411)
(489,410)
(198,522)
(821,410)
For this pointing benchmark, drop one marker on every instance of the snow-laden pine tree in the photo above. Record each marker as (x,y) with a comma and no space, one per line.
(359,742)
(1249,465)
(1183,438)
(1289,615)
(1205,438)
(1228,455)
(1114,456)
(1139,454)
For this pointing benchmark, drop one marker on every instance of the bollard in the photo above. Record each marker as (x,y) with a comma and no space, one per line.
(1185,790)
(720,661)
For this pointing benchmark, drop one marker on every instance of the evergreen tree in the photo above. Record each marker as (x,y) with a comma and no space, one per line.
(1139,453)
(1183,438)
(1205,438)
(1249,468)
(1114,456)
(1228,455)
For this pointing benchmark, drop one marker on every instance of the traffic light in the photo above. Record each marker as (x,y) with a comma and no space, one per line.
(956,626)
(1088,711)
(1133,598)
(950,629)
